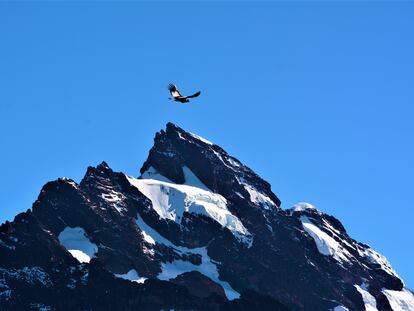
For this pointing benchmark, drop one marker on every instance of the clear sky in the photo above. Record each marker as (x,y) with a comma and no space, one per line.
(316,97)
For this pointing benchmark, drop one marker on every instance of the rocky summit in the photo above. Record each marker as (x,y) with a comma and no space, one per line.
(197,230)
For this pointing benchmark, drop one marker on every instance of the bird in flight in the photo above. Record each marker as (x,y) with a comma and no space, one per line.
(176,95)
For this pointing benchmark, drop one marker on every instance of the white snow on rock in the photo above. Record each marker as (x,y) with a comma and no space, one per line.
(171,200)
(77,243)
(131,275)
(152,173)
(196,137)
(70,182)
(329,246)
(400,300)
(171,270)
(234,162)
(114,198)
(192,180)
(303,206)
(153,237)
(326,244)
(340,308)
(369,300)
(201,138)
(377,258)
(256,196)
(148,238)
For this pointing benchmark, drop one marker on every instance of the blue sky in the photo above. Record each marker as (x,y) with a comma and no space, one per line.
(316,97)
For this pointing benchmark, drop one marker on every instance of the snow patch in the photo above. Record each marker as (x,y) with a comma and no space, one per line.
(77,243)
(202,139)
(114,199)
(369,300)
(152,235)
(256,196)
(218,155)
(303,206)
(400,300)
(340,308)
(148,238)
(171,200)
(326,244)
(131,275)
(152,173)
(70,182)
(192,180)
(377,258)
(171,270)
(233,162)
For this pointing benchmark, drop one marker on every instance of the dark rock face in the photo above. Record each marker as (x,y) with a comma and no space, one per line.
(199,285)
(270,258)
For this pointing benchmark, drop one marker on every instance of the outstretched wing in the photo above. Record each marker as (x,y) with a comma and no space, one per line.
(194,95)
(174,91)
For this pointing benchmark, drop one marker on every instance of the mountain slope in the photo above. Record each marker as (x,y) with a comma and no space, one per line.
(197,230)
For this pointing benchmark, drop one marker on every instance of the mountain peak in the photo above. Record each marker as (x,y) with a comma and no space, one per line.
(173,127)
(103,165)
(176,148)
